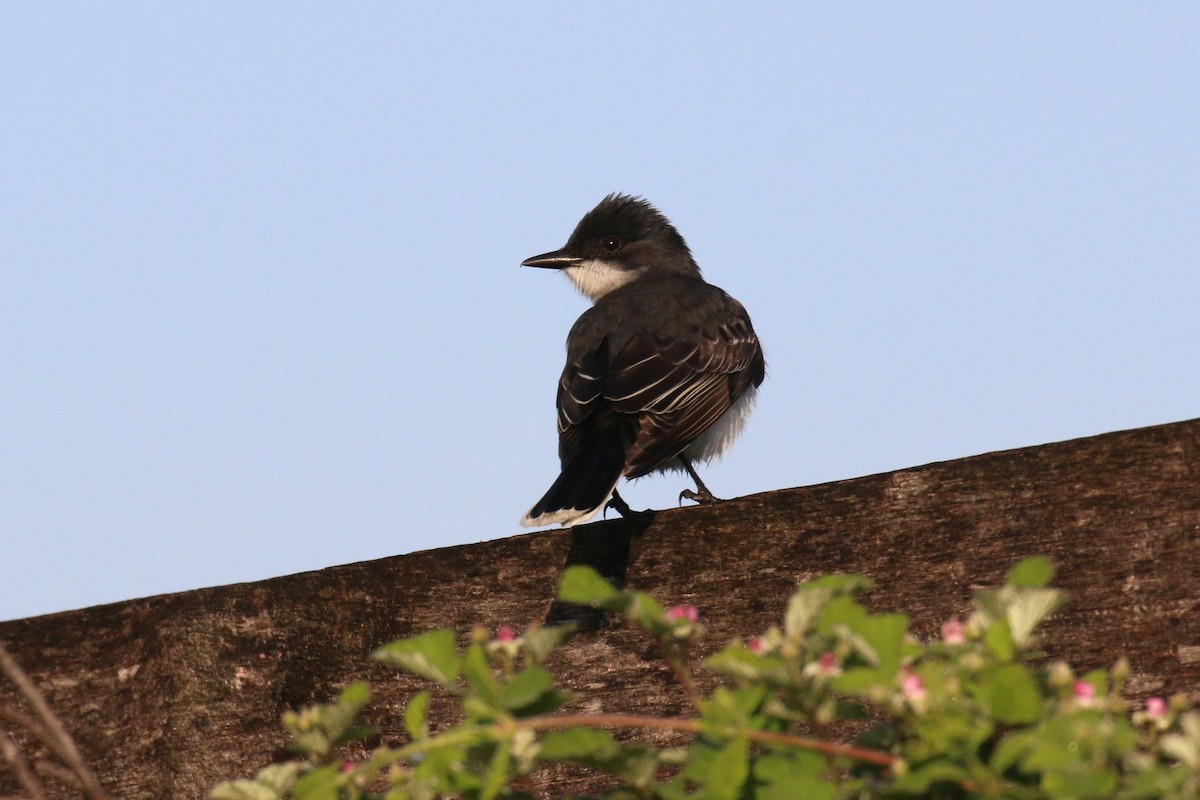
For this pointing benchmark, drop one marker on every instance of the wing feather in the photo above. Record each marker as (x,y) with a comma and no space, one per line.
(657,391)
(679,389)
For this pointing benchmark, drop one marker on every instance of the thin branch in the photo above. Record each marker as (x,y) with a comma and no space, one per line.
(64,743)
(59,772)
(22,720)
(683,672)
(465,736)
(33,727)
(25,776)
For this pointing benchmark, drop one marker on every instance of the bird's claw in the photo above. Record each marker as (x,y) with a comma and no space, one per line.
(618,504)
(700,498)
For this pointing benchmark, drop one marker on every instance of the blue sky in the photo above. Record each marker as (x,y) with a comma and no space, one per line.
(260,303)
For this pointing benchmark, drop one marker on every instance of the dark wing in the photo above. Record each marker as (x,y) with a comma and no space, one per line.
(675,389)
(580,396)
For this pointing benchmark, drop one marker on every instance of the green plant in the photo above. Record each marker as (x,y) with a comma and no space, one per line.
(976,714)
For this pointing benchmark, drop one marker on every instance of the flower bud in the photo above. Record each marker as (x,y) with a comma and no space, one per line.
(1060,675)
(683,612)
(954,632)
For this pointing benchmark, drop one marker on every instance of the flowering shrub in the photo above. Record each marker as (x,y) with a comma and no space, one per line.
(972,715)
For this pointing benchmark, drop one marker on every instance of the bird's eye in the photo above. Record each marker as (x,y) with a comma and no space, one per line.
(611,243)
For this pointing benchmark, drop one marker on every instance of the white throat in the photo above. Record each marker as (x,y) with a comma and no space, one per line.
(596,277)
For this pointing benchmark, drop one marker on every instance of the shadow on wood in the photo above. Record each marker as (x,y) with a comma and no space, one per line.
(169,695)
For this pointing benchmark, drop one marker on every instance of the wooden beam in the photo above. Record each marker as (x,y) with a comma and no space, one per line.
(168,695)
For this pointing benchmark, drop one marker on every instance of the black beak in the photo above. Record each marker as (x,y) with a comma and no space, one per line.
(555,259)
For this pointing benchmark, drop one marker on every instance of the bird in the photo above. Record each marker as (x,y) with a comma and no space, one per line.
(662,370)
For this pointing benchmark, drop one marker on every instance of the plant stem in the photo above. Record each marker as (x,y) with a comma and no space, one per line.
(63,744)
(683,672)
(25,776)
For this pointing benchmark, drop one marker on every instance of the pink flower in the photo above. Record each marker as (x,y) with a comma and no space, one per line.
(686,612)
(953,631)
(505,634)
(1156,707)
(912,686)
(347,766)
(1084,692)
(756,645)
(824,667)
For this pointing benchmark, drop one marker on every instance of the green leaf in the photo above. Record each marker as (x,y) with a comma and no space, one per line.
(338,719)
(736,661)
(540,642)
(747,699)
(998,638)
(841,612)
(634,763)
(525,688)
(1061,743)
(642,610)
(803,608)
(577,744)
(354,733)
(1023,607)
(1031,573)
(843,584)
(791,777)
(919,780)
(811,598)
(311,742)
(1085,783)
(672,790)
(320,784)
(416,720)
(729,770)
(885,635)
(1012,749)
(1183,748)
(244,790)
(317,729)
(860,681)
(431,655)
(1029,608)
(1098,678)
(478,673)
(355,697)
(583,586)
(439,773)
(950,730)
(497,773)
(279,776)
(1012,694)
(733,706)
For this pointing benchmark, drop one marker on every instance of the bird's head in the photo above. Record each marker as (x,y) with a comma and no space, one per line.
(620,240)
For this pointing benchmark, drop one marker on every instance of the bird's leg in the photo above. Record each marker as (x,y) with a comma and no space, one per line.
(702,495)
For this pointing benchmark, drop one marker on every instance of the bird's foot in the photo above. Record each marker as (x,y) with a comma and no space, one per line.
(702,497)
(618,504)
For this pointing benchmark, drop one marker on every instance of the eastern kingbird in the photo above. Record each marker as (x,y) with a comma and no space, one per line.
(661,370)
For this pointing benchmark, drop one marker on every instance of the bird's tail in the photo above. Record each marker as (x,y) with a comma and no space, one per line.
(584,486)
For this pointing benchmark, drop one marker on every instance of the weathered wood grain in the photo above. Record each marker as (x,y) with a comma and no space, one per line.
(168,695)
